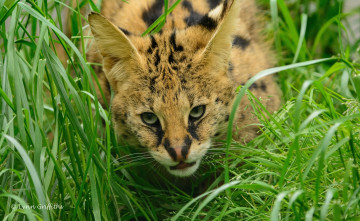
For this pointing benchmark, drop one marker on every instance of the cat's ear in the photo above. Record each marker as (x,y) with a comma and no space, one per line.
(111,41)
(113,44)
(223,22)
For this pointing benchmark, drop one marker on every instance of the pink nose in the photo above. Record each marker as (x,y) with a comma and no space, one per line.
(179,154)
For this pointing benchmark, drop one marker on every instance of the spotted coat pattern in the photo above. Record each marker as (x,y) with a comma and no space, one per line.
(206,49)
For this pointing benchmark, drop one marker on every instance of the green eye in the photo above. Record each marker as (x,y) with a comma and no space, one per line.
(197,112)
(149,118)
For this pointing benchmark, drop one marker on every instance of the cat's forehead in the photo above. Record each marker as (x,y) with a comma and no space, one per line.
(165,54)
(177,50)
(168,61)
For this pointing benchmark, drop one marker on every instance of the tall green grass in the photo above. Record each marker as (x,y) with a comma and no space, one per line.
(58,148)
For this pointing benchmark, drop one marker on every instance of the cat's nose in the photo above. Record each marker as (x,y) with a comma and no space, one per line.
(178,154)
(181,153)
(178,151)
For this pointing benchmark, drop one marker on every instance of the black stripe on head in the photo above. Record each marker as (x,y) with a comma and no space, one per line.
(171,58)
(153,42)
(213,3)
(194,17)
(153,45)
(173,42)
(152,84)
(154,12)
(208,23)
(157,58)
(241,42)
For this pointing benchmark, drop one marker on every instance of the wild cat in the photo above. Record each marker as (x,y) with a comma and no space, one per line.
(173,90)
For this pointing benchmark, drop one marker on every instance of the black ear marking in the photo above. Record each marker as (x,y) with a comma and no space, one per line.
(196,18)
(208,23)
(213,3)
(225,9)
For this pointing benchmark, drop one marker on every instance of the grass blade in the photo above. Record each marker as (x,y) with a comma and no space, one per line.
(33,174)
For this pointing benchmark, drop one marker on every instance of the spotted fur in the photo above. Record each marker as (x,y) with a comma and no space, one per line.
(205,50)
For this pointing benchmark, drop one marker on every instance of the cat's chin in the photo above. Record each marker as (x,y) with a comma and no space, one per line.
(183,170)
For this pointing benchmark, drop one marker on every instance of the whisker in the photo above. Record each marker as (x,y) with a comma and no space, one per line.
(148,161)
(224,149)
(132,159)
(134,154)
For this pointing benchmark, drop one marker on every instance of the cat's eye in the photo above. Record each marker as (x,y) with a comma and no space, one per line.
(197,112)
(149,118)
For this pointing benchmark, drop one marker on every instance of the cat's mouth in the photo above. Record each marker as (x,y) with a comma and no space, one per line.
(182,165)
(186,167)
(183,169)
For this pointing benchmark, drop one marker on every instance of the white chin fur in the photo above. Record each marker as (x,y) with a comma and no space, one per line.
(184,172)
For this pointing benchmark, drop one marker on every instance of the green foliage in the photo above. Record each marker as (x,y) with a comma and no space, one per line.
(58,148)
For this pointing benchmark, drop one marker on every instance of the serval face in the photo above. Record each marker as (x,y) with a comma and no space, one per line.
(173,90)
